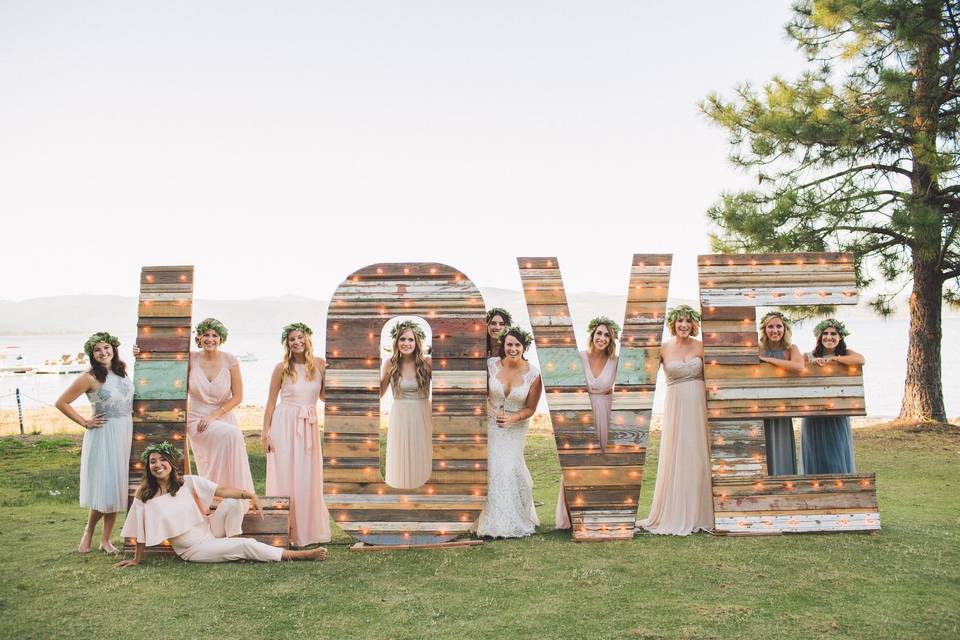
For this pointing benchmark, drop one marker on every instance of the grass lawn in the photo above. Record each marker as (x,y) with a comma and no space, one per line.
(904,582)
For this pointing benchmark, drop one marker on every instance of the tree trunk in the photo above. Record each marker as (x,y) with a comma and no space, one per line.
(922,389)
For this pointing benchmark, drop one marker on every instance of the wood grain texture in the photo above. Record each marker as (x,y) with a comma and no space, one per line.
(742,391)
(359,500)
(601,487)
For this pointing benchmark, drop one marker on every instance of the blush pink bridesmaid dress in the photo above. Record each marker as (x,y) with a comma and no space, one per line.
(220,450)
(601,401)
(295,462)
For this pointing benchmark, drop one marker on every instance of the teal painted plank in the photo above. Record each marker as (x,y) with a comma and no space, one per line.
(633,367)
(561,367)
(160,380)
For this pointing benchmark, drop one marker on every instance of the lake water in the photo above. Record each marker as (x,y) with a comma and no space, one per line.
(883,342)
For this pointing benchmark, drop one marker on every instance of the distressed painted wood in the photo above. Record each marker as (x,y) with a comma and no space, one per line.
(601,487)
(161,369)
(359,500)
(742,391)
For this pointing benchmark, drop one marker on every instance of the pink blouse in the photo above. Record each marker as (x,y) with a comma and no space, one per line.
(163,517)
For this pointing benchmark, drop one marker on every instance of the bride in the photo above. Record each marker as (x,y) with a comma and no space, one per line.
(515,389)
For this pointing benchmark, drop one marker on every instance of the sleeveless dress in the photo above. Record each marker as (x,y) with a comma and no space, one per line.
(194,533)
(105,455)
(683,497)
(778,433)
(295,464)
(220,450)
(409,436)
(826,444)
(601,401)
(509,511)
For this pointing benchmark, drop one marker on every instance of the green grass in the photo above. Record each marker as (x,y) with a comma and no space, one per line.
(904,582)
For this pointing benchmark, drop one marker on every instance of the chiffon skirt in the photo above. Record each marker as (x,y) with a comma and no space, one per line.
(220,452)
(682,498)
(409,443)
(826,445)
(105,464)
(781,448)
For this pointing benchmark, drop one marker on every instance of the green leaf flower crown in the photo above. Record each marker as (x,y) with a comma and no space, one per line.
(100,336)
(164,448)
(402,326)
(503,313)
(683,311)
(831,322)
(211,323)
(774,314)
(294,326)
(612,326)
(524,336)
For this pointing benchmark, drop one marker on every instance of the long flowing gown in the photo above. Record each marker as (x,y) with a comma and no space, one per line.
(509,511)
(409,436)
(194,533)
(295,462)
(682,497)
(601,401)
(826,445)
(105,455)
(220,450)
(778,433)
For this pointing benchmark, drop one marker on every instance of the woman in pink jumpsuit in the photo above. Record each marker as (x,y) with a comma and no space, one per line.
(174,508)
(291,439)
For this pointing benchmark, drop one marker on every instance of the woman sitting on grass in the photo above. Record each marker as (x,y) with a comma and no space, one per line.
(172,507)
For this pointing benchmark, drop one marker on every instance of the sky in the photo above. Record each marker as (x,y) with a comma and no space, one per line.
(278,147)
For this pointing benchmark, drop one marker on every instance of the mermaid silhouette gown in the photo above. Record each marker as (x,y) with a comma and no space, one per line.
(219,450)
(601,401)
(509,511)
(682,497)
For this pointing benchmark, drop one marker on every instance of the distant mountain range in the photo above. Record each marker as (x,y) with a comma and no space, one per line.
(81,314)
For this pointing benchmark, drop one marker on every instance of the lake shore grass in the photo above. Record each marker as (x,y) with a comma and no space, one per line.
(901,582)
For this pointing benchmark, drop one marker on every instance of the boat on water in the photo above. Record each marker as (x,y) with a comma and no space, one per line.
(64,365)
(11,360)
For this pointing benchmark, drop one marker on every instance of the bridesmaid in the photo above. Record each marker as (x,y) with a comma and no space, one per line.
(105,455)
(775,348)
(682,497)
(498,319)
(215,389)
(600,369)
(291,439)
(410,427)
(515,388)
(826,442)
(175,508)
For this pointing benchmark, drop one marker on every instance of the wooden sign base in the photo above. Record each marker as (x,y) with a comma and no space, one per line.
(361,546)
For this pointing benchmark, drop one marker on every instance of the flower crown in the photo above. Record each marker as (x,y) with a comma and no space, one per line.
(612,326)
(524,336)
(294,326)
(683,311)
(831,322)
(164,448)
(404,325)
(211,323)
(775,314)
(100,336)
(503,313)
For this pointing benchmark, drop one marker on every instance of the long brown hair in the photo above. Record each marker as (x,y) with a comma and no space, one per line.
(149,487)
(419,361)
(289,372)
(117,365)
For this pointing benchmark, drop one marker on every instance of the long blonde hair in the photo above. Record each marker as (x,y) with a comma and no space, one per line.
(289,372)
(419,359)
(785,341)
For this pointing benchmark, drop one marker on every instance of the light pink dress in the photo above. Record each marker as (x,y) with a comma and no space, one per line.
(682,498)
(409,436)
(601,401)
(295,462)
(220,451)
(184,520)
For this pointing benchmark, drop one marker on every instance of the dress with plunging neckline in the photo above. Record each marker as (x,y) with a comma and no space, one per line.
(219,450)
(682,497)
(600,389)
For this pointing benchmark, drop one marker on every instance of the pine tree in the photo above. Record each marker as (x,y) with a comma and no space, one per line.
(861,154)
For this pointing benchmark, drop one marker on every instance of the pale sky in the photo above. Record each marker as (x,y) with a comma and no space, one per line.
(280,146)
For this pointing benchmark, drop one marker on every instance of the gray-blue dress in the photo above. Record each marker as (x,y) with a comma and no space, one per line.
(826,444)
(778,432)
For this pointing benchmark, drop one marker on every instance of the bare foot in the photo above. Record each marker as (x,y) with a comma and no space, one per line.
(317,554)
(85,542)
(108,548)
